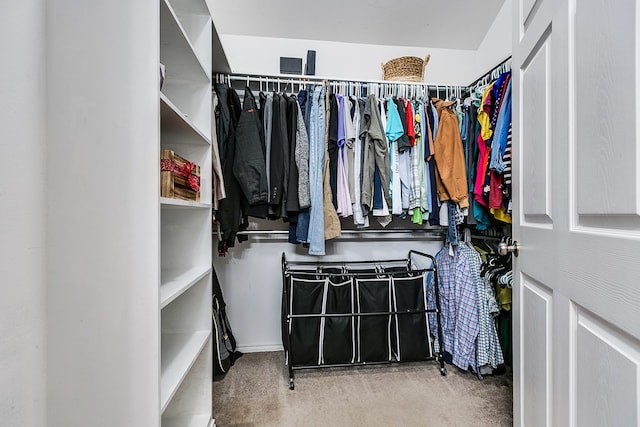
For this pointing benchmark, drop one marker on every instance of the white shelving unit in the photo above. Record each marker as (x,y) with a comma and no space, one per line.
(186,30)
(128,273)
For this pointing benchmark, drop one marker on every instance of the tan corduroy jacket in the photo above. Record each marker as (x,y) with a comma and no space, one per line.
(332,228)
(451,173)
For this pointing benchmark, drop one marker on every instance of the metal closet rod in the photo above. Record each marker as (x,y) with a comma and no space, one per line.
(436,231)
(505,65)
(301,79)
(487,238)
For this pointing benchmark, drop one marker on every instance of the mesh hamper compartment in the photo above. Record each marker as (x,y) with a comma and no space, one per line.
(411,330)
(305,298)
(374,332)
(338,342)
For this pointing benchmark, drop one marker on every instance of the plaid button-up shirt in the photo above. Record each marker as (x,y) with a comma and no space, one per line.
(458,306)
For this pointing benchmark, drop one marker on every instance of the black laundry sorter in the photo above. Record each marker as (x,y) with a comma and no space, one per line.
(337,314)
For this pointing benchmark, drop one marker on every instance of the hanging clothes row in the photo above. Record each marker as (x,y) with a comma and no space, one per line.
(486,135)
(319,155)
(357,149)
(475,294)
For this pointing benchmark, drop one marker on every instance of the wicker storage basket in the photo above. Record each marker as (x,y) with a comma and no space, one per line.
(405,68)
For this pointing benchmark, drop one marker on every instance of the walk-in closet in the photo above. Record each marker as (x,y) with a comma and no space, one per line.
(219,213)
(386,254)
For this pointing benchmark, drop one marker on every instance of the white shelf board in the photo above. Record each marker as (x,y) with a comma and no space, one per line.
(169,202)
(179,353)
(176,51)
(192,421)
(175,282)
(174,121)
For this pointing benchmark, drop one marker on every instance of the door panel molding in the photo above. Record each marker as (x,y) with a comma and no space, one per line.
(608,365)
(621,225)
(536,368)
(535,84)
(529,9)
(605,125)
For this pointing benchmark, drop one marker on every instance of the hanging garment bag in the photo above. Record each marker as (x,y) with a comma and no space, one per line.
(374,332)
(411,330)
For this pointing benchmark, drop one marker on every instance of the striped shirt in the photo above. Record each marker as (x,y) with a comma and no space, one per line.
(506,158)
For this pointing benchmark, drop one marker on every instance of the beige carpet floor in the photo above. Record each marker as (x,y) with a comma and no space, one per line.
(255,392)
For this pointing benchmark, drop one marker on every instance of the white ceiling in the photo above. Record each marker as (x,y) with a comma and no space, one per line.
(449,24)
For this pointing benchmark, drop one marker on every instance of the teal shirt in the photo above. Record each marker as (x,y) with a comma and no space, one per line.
(394,128)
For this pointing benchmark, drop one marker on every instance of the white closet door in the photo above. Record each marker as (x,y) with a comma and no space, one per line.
(577,213)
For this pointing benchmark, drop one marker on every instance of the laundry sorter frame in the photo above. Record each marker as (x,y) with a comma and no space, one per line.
(413,315)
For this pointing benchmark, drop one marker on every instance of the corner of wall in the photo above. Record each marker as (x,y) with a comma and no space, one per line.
(497,43)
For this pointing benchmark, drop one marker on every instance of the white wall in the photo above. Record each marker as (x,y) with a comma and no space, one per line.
(251,278)
(102,213)
(22,215)
(261,55)
(496,45)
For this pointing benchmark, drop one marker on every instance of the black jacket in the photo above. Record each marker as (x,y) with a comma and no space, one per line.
(249,163)
(229,213)
(333,148)
(279,161)
(293,204)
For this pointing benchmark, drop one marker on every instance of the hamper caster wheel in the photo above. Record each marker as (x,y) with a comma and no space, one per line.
(291,385)
(443,371)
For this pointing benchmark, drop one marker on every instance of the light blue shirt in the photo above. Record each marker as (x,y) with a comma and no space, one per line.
(394,128)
